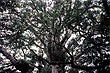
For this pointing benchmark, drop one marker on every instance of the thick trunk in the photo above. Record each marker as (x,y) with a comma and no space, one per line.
(54,69)
(57,69)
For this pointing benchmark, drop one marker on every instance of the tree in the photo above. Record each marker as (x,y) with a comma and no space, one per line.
(68,36)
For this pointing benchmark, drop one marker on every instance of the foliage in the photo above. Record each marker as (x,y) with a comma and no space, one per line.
(64,33)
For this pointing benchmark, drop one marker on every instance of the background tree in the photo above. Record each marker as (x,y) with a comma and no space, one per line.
(55,36)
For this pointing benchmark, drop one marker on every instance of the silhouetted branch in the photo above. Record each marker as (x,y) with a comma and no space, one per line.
(106,7)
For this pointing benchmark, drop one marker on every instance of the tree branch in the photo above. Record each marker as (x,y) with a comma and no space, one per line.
(106,7)
(7,55)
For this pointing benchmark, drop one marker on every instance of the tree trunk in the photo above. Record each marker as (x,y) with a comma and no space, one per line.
(54,69)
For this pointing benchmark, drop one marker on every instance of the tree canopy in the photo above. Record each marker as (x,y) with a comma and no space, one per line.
(54,36)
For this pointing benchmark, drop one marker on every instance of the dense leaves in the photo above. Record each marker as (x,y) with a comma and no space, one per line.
(55,36)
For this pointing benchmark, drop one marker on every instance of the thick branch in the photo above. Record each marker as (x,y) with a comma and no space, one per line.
(106,7)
